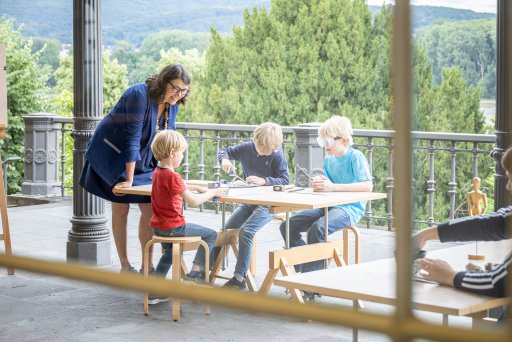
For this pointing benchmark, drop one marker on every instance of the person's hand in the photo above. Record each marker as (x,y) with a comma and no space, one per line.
(227,166)
(436,270)
(256,180)
(220,192)
(121,185)
(322,183)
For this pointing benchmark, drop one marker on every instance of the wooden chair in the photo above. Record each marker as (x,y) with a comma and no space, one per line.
(337,250)
(178,265)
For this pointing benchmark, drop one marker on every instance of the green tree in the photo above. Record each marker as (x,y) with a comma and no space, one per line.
(303,61)
(26,86)
(471,45)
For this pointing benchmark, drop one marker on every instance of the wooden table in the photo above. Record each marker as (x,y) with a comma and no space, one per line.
(376,282)
(287,202)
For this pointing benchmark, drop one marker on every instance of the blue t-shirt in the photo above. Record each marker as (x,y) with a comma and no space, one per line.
(352,167)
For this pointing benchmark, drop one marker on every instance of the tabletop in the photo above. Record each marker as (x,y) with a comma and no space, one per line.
(264,195)
(375,281)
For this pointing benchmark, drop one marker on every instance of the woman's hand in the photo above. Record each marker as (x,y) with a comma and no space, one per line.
(322,183)
(256,180)
(122,185)
(227,166)
(436,270)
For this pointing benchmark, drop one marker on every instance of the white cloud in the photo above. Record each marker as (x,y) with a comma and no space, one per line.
(474,5)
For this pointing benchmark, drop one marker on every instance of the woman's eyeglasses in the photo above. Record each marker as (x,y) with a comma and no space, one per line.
(176,90)
(327,142)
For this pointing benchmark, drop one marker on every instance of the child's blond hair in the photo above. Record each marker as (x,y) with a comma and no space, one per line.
(166,142)
(269,136)
(337,127)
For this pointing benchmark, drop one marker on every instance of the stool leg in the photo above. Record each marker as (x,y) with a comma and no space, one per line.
(206,270)
(252,265)
(176,277)
(346,246)
(146,273)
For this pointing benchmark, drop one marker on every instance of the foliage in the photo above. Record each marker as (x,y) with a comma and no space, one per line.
(300,63)
(133,21)
(471,45)
(26,89)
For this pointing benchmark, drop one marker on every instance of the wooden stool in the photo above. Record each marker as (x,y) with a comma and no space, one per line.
(5,235)
(178,264)
(357,244)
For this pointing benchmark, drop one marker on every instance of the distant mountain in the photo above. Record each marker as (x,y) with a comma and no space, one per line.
(133,20)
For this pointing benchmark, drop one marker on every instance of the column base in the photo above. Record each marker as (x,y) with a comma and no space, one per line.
(93,253)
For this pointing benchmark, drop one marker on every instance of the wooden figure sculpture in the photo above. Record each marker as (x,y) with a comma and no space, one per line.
(477,204)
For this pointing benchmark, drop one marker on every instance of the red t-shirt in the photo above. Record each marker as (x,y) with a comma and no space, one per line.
(166,199)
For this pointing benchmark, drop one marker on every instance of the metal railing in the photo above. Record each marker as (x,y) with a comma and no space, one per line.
(431,148)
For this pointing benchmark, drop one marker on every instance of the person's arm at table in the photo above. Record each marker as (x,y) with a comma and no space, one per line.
(491,283)
(130,169)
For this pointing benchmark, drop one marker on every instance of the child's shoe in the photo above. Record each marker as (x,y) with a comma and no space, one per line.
(196,277)
(236,284)
(157,299)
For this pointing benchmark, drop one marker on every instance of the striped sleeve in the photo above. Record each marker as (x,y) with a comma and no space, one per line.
(490,283)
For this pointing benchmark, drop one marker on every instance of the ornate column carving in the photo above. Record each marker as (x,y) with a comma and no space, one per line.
(88,239)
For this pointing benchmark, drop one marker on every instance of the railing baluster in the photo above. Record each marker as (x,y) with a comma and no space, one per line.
(369,157)
(431,184)
(474,151)
(453,183)
(201,159)
(390,185)
(216,167)
(186,165)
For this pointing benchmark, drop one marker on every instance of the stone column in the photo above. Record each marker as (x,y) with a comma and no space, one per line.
(41,155)
(308,155)
(88,239)
(503,99)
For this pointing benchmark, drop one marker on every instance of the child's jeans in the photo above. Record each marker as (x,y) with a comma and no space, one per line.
(190,229)
(312,222)
(249,219)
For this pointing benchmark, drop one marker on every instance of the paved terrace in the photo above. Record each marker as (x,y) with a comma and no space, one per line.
(38,307)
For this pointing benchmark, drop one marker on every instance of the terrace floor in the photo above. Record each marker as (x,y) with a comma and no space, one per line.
(38,307)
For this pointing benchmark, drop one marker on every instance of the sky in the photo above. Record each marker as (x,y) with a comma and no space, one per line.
(474,5)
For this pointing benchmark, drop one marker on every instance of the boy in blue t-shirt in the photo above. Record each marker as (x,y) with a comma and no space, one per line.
(263,163)
(345,169)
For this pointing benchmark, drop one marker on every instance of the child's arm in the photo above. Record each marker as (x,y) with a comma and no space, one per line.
(322,183)
(194,200)
(197,188)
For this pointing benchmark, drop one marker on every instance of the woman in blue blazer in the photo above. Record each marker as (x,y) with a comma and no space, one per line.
(119,153)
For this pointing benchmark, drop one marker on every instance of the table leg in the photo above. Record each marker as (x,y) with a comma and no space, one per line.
(445,320)
(223,250)
(355,332)
(326,226)
(287,225)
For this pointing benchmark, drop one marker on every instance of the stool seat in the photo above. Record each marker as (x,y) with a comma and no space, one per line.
(175,239)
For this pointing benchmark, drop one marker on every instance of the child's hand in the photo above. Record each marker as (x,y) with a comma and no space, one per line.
(256,180)
(321,183)
(227,166)
(221,192)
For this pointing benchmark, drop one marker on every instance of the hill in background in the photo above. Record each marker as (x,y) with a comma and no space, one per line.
(133,20)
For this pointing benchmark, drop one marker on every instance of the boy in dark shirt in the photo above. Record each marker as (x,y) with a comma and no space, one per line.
(263,163)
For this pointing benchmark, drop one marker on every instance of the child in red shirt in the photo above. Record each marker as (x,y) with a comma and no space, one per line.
(167,195)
